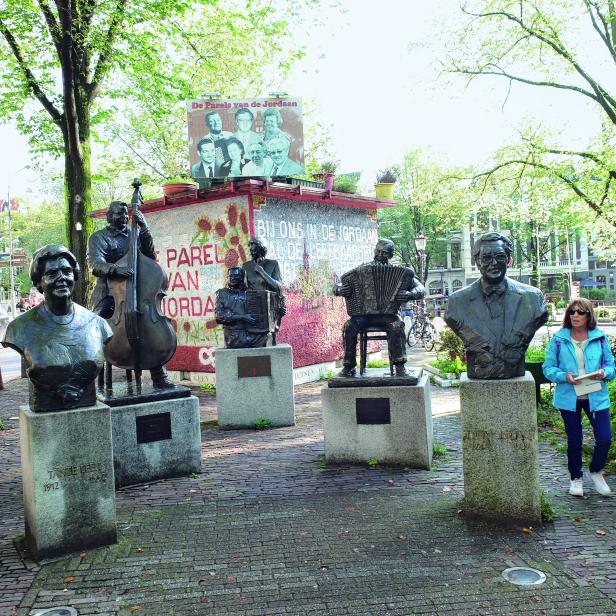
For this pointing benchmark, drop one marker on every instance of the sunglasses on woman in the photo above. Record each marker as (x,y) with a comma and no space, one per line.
(577,311)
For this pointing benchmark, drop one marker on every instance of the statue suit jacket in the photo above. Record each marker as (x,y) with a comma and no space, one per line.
(493,352)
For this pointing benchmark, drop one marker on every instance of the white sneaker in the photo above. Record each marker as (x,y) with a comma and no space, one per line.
(576,487)
(599,483)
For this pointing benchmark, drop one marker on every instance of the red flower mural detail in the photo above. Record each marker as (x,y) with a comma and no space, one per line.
(231,258)
(235,240)
(244,222)
(232,214)
(220,228)
(211,324)
(174,324)
(242,253)
(186,326)
(205,224)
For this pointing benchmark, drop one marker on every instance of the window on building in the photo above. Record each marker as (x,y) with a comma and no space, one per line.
(456,254)
(456,285)
(601,281)
(435,288)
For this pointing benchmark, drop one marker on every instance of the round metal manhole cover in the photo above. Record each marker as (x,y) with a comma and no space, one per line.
(59,611)
(524,576)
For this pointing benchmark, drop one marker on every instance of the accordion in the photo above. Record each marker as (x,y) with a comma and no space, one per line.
(372,288)
(264,306)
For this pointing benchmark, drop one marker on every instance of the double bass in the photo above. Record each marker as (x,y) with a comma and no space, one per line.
(143,337)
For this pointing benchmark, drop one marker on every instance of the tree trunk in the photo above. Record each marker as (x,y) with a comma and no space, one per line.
(78,192)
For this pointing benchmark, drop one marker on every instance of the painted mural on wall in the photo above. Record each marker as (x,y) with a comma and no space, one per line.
(197,244)
(314,244)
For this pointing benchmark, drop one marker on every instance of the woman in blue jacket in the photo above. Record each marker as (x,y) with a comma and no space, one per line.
(580,347)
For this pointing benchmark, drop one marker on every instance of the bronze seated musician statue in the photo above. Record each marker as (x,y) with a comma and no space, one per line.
(374,292)
(264,275)
(249,317)
(128,292)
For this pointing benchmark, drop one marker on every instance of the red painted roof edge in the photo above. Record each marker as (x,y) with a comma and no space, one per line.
(262,187)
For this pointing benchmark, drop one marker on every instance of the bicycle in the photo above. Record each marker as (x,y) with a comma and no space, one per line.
(421,329)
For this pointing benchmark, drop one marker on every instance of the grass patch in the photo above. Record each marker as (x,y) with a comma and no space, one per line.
(372,463)
(377,363)
(547,512)
(326,376)
(439,449)
(1,425)
(208,387)
(262,424)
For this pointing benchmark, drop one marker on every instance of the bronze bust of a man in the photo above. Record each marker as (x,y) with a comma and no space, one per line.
(496,317)
(60,341)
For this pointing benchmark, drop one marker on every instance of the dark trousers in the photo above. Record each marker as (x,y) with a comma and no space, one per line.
(391,324)
(600,422)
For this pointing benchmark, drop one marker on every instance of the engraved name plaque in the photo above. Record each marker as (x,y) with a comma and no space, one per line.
(151,428)
(254,365)
(372,411)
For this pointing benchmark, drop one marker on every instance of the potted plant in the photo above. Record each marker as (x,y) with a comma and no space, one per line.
(385,180)
(327,173)
(177,185)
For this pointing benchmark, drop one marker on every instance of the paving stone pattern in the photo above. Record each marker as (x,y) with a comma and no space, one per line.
(267,528)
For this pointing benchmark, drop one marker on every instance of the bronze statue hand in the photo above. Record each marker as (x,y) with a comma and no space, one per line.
(260,271)
(122,271)
(140,218)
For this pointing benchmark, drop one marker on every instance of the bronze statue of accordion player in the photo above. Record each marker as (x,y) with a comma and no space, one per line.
(374,293)
(249,317)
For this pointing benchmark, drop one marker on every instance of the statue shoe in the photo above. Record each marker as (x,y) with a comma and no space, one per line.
(401,370)
(163,383)
(347,372)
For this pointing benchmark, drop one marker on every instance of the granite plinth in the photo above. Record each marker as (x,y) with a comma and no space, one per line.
(390,424)
(124,394)
(377,377)
(500,448)
(68,484)
(255,384)
(156,440)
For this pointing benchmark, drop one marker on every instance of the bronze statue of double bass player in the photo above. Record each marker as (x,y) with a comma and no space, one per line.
(128,293)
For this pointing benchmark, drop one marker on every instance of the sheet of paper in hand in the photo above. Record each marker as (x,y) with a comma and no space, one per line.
(587,385)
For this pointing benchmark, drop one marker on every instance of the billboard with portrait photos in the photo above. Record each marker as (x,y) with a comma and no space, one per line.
(253,137)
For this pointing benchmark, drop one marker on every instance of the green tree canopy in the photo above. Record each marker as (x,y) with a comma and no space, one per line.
(566,47)
(68,67)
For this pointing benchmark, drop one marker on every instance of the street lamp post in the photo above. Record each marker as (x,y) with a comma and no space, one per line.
(420,246)
(11,270)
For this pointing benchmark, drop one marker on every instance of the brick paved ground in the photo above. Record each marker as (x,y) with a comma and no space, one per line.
(268,529)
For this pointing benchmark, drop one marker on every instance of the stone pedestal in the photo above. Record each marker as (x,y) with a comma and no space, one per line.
(68,486)
(500,448)
(255,384)
(156,440)
(390,424)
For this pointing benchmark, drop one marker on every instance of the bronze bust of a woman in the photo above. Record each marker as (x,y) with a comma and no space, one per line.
(61,342)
